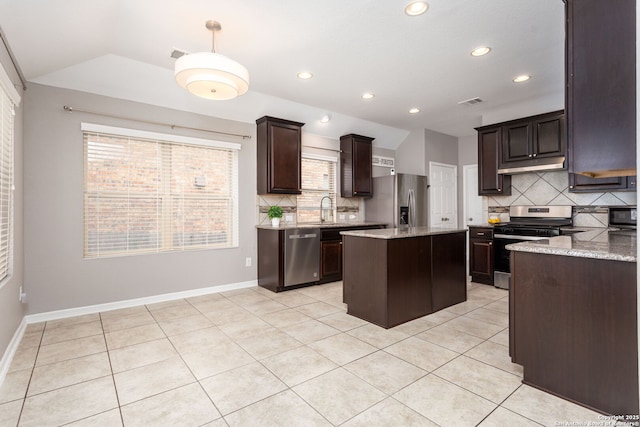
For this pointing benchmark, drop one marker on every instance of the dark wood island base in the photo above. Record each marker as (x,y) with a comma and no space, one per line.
(393,276)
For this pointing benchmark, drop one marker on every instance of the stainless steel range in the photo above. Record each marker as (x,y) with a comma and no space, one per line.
(526,223)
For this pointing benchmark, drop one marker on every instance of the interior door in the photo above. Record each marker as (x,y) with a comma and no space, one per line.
(472,202)
(443,195)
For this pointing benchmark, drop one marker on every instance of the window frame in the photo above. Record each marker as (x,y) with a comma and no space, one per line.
(333,159)
(13,98)
(167,196)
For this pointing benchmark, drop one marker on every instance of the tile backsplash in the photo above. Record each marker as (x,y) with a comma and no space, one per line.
(552,188)
(351,209)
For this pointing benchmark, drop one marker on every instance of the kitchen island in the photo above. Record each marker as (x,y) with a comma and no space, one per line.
(572,318)
(392,276)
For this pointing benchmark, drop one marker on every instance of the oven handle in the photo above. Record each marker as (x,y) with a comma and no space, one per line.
(516,237)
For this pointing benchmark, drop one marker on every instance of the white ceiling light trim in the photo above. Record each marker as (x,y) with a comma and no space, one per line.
(416,8)
(304,75)
(414,110)
(211,75)
(480,51)
(368,95)
(521,78)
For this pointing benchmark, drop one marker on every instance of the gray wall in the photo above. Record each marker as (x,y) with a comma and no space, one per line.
(11,310)
(410,154)
(57,276)
(381,170)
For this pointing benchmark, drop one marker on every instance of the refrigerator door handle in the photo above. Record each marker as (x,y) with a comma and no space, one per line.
(412,207)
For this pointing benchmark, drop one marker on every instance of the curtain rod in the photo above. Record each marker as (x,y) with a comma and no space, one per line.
(13,60)
(71,110)
(320,148)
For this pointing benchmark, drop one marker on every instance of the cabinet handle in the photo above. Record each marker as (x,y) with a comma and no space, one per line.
(535,154)
(571,186)
(490,243)
(499,189)
(480,234)
(340,242)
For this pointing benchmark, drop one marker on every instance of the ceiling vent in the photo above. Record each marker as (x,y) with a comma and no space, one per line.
(472,101)
(177,53)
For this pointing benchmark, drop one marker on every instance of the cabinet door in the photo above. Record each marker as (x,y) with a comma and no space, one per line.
(489,182)
(362,168)
(481,261)
(549,138)
(601,87)
(585,184)
(331,260)
(516,143)
(355,166)
(284,173)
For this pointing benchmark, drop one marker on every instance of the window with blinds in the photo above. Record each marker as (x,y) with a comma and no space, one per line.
(7,114)
(318,181)
(146,195)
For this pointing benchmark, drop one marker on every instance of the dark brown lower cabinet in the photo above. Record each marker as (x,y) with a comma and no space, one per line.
(481,254)
(392,281)
(330,260)
(573,328)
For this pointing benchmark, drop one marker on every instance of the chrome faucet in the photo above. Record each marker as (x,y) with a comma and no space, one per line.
(322,213)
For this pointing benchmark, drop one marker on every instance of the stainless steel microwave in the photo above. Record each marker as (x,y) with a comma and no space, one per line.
(623,216)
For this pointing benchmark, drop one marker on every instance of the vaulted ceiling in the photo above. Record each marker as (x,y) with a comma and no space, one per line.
(122,48)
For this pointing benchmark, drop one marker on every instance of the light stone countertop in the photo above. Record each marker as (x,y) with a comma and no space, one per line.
(599,243)
(402,233)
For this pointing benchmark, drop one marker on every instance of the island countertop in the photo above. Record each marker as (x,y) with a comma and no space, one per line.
(606,244)
(402,233)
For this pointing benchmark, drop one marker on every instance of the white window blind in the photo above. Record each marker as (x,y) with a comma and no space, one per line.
(7,114)
(318,181)
(154,195)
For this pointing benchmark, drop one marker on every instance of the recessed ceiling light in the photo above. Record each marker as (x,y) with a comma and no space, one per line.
(522,78)
(416,8)
(414,111)
(368,95)
(304,75)
(480,51)
(325,119)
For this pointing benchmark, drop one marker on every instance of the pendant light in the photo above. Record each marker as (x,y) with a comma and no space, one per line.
(211,75)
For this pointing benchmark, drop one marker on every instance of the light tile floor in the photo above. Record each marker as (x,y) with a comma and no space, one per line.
(255,358)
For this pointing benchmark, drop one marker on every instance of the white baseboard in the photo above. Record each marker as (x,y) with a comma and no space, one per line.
(90,309)
(7,357)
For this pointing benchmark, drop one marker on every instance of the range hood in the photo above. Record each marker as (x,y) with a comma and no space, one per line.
(537,165)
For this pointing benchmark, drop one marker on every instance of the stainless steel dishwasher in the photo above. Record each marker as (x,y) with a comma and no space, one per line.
(301,256)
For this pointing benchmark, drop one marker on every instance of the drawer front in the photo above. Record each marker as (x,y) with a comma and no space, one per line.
(481,232)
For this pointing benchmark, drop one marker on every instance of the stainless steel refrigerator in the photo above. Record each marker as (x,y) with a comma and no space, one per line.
(399,200)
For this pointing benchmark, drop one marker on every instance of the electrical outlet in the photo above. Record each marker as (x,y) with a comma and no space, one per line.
(247,262)
(288,218)
(23,296)
(341,216)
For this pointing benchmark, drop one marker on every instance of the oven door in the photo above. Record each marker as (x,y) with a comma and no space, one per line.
(501,268)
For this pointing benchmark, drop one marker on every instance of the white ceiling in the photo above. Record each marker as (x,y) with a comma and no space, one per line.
(121,48)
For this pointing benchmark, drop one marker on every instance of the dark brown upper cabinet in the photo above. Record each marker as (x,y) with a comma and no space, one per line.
(489,151)
(534,142)
(279,156)
(356,155)
(601,87)
(585,184)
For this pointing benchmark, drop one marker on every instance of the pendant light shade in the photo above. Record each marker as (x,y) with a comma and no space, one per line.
(211,75)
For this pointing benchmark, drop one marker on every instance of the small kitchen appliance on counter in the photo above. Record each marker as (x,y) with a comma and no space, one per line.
(526,223)
(623,216)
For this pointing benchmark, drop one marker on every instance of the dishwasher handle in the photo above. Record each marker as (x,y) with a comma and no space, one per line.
(303,236)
